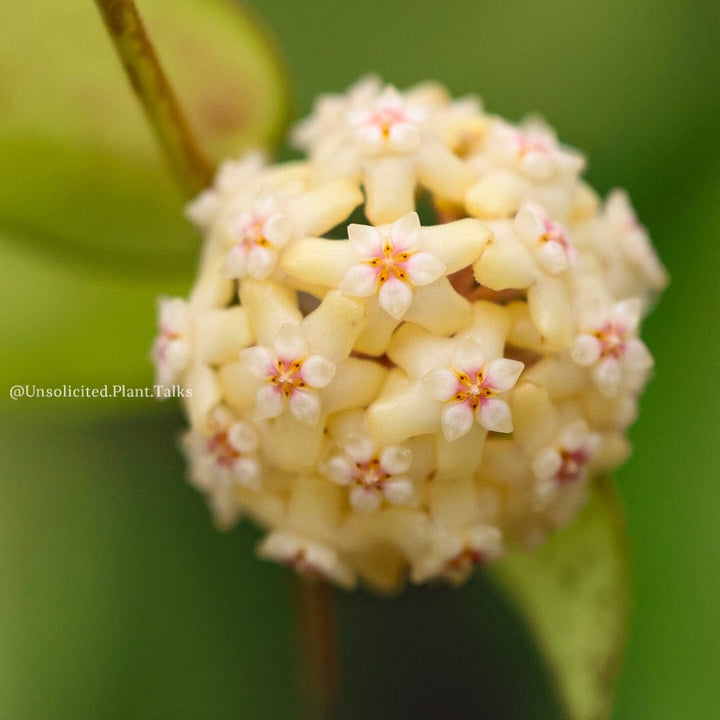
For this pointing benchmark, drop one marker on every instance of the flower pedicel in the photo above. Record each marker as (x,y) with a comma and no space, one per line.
(395,398)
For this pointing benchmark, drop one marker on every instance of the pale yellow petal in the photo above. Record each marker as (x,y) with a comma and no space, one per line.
(357,383)
(489,328)
(315,507)
(505,263)
(496,195)
(238,386)
(221,334)
(203,384)
(290,444)
(321,209)
(394,418)
(442,172)
(375,336)
(523,332)
(453,502)
(438,308)
(456,244)
(535,419)
(269,306)
(389,188)
(563,379)
(503,463)
(549,306)
(318,262)
(332,328)
(418,351)
(460,458)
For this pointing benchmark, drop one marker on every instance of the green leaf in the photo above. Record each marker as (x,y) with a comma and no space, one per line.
(574,594)
(61,324)
(120,600)
(81,169)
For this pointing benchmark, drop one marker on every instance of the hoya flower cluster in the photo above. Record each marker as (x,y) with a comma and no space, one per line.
(411,352)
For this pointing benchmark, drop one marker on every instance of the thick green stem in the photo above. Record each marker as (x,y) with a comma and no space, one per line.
(318,647)
(155,93)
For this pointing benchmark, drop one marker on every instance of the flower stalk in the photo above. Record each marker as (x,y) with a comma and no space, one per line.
(156,95)
(319,668)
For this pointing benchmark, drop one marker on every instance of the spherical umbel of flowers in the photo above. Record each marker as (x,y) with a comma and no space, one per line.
(411,352)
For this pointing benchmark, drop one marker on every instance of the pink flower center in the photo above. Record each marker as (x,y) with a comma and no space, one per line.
(162,344)
(287,377)
(300,562)
(251,233)
(465,559)
(225,453)
(527,144)
(390,262)
(612,340)
(472,387)
(573,465)
(385,118)
(370,474)
(555,233)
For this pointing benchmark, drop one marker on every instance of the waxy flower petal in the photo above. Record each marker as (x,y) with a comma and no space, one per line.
(402,403)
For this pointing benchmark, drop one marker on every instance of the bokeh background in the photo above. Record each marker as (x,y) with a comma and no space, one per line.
(118,599)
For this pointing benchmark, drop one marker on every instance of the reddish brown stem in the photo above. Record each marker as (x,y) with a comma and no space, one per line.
(318,647)
(154,91)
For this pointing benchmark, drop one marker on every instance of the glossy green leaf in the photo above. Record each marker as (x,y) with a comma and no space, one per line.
(573,592)
(81,170)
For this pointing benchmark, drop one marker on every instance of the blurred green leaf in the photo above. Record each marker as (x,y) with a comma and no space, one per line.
(60,324)
(573,592)
(82,171)
(119,599)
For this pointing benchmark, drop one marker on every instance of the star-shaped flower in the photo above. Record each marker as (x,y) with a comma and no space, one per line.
(193,335)
(533,149)
(226,453)
(233,176)
(388,141)
(399,268)
(535,253)
(631,263)
(469,389)
(610,346)
(548,240)
(454,554)
(223,457)
(309,557)
(448,383)
(565,458)
(291,374)
(257,235)
(391,264)
(171,350)
(371,473)
(515,164)
(389,125)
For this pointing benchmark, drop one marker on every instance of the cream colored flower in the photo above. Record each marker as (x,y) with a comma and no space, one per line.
(308,557)
(399,400)
(400,268)
(389,142)
(610,346)
(516,164)
(470,388)
(291,374)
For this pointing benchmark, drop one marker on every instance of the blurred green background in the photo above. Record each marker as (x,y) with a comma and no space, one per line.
(117,597)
